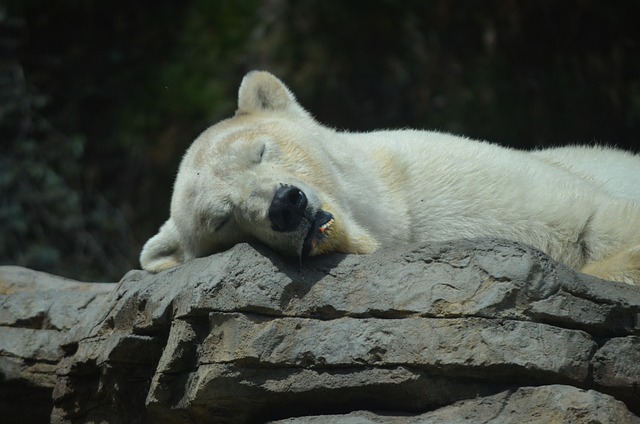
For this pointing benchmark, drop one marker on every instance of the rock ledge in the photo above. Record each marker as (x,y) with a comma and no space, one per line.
(435,333)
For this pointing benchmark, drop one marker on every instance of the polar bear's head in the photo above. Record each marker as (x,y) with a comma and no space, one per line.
(262,175)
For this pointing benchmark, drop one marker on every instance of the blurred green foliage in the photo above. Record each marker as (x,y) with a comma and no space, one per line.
(98,100)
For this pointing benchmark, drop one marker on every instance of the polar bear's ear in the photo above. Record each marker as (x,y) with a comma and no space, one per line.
(260,92)
(164,250)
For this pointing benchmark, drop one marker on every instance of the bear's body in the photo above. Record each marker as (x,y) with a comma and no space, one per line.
(274,174)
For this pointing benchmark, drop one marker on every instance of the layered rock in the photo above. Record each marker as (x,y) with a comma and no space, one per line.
(36,312)
(442,332)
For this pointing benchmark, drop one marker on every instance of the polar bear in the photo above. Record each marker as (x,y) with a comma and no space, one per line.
(272,173)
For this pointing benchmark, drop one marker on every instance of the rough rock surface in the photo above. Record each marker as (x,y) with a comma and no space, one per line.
(466,331)
(531,405)
(36,311)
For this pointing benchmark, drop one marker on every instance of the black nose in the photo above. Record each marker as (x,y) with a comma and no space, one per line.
(287,208)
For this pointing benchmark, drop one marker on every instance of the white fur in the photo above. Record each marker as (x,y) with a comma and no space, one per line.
(581,205)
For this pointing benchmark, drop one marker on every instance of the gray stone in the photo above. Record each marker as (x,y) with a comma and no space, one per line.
(37,310)
(447,332)
(531,405)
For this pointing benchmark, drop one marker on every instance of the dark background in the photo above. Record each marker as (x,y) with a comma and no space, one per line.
(99,99)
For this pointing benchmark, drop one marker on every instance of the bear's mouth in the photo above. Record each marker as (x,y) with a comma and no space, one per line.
(318,233)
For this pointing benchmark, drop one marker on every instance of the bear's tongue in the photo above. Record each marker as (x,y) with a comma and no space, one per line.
(318,232)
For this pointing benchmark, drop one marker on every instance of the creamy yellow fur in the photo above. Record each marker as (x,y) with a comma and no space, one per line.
(621,266)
